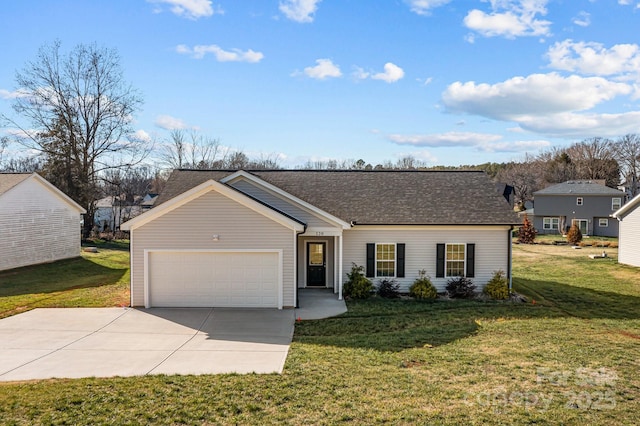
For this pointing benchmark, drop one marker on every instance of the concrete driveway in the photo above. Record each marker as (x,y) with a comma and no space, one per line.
(107,342)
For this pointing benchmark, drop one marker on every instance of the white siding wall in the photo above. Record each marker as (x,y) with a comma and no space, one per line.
(192,226)
(491,250)
(629,240)
(278,202)
(36,226)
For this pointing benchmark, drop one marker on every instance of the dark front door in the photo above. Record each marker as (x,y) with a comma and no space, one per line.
(316,264)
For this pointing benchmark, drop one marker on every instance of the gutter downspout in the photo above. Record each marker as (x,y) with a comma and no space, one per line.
(510,259)
(295,263)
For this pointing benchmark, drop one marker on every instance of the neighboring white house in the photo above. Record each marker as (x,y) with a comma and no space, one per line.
(38,222)
(629,227)
(112,211)
(252,238)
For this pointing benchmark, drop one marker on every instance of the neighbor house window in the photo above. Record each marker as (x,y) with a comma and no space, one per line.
(603,223)
(454,260)
(551,223)
(385,260)
(616,203)
(579,201)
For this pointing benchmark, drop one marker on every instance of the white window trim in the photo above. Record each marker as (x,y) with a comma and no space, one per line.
(603,220)
(579,201)
(619,203)
(395,259)
(464,260)
(550,222)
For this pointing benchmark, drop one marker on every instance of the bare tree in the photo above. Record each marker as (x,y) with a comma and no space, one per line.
(594,158)
(525,177)
(627,152)
(192,150)
(81,109)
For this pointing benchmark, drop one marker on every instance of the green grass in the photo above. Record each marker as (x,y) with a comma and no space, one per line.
(92,280)
(570,358)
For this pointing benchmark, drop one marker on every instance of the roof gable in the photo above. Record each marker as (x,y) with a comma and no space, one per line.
(289,197)
(378,197)
(203,188)
(9,181)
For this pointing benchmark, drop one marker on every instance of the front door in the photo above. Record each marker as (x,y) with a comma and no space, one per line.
(583,225)
(316,264)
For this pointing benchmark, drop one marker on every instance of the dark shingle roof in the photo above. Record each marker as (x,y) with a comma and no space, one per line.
(578,187)
(378,197)
(9,180)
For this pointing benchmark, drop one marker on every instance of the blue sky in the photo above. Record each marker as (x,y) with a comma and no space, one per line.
(448,81)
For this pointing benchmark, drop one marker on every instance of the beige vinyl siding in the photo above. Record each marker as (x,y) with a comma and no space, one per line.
(36,226)
(628,242)
(193,225)
(278,202)
(491,250)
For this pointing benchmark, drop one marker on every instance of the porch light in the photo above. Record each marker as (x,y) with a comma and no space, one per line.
(216,237)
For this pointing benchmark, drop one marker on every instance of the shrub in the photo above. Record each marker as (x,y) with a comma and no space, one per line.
(357,286)
(461,288)
(422,288)
(527,233)
(574,236)
(498,286)
(388,288)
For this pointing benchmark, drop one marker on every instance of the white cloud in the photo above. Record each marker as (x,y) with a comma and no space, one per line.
(168,122)
(510,19)
(423,7)
(583,19)
(486,142)
(584,125)
(233,55)
(141,135)
(325,68)
(191,9)
(299,10)
(448,139)
(20,93)
(534,95)
(594,58)
(391,74)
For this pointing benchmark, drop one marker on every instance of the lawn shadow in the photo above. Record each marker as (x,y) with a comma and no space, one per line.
(580,302)
(395,325)
(62,275)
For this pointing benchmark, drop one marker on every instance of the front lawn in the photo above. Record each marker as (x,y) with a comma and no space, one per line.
(92,280)
(569,358)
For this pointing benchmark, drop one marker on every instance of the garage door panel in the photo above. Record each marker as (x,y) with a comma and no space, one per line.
(218,279)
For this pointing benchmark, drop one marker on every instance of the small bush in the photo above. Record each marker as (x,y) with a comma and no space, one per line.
(357,286)
(498,286)
(422,288)
(461,288)
(574,236)
(526,233)
(388,288)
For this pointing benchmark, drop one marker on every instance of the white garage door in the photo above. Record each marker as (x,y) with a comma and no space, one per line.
(213,279)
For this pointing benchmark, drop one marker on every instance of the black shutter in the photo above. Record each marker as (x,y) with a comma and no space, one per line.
(440,261)
(400,260)
(471,260)
(371,260)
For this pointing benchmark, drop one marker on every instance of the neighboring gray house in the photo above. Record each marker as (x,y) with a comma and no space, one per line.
(252,238)
(38,222)
(628,217)
(587,203)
